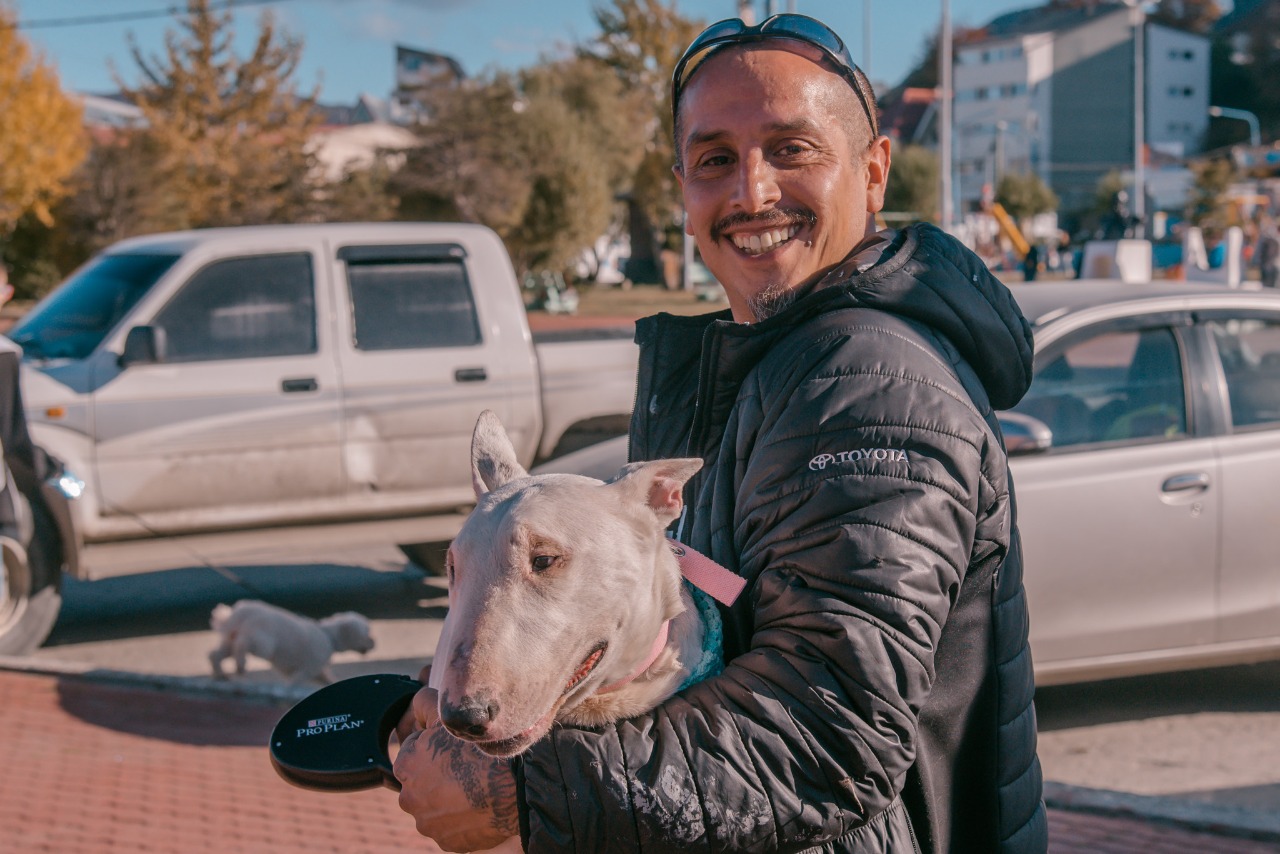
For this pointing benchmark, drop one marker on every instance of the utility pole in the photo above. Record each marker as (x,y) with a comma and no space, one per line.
(1139,17)
(944,131)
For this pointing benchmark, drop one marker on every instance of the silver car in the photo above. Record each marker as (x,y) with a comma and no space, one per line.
(1148,507)
(1146,463)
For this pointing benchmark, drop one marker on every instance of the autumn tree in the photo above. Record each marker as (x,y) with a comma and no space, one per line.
(1197,16)
(539,156)
(231,134)
(641,40)
(41,132)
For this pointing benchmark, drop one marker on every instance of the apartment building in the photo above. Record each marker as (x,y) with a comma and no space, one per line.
(1051,90)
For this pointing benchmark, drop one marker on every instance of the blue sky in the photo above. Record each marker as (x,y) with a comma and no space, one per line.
(349,44)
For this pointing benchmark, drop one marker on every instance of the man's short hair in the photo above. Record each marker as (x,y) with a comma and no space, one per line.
(854,118)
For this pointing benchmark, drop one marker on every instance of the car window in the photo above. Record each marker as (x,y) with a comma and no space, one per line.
(412,304)
(1116,386)
(1250,354)
(243,308)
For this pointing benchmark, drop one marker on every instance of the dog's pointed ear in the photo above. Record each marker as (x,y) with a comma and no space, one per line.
(493,458)
(659,485)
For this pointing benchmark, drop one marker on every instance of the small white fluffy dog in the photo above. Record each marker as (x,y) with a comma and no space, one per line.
(297,646)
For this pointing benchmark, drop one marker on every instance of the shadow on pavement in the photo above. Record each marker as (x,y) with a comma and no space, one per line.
(169,715)
(179,600)
(1248,688)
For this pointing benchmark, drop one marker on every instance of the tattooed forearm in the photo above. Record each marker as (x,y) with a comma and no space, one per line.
(502,790)
(487,783)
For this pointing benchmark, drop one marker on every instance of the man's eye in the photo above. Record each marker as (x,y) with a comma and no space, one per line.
(542,563)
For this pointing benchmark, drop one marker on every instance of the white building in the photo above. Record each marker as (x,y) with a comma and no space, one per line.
(1050,91)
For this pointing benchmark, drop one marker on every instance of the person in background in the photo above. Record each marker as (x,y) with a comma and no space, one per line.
(877,694)
(1031,263)
(1266,252)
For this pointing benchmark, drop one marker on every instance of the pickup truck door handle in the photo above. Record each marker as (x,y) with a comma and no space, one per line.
(300,384)
(1198,482)
(470,375)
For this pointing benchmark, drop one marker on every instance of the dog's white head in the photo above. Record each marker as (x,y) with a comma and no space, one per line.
(558,585)
(348,630)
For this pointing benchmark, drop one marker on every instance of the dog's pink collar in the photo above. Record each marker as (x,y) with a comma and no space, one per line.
(703,573)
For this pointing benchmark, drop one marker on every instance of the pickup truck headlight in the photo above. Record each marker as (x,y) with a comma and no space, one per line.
(68,484)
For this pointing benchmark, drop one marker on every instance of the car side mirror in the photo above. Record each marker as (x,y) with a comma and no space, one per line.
(144,345)
(1024,434)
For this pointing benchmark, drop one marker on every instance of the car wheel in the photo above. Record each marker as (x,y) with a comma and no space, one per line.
(29,597)
(428,556)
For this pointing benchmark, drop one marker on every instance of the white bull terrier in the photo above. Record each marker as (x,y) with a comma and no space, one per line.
(566,600)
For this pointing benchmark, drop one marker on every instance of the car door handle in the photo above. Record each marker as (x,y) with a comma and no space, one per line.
(300,384)
(1186,483)
(470,375)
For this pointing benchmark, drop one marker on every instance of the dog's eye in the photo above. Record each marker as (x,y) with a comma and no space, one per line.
(542,563)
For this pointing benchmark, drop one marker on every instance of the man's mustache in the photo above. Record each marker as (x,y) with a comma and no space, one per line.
(772,218)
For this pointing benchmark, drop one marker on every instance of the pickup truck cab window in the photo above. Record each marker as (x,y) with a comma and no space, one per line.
(74,319)
(412,304)
(243,308)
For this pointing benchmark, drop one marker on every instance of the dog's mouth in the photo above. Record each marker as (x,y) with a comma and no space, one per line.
(586,667)
(507,747)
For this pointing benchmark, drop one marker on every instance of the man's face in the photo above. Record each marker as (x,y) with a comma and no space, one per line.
(776,189)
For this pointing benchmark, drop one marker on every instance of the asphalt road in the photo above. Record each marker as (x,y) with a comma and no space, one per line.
(1207,738)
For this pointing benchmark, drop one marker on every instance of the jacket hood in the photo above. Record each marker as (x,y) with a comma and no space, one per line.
(934,279)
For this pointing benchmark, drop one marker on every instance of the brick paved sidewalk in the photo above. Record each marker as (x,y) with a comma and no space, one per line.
(93,767)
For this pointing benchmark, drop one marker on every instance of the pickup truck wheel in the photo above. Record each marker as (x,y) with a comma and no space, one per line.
(29,600)
(428,556)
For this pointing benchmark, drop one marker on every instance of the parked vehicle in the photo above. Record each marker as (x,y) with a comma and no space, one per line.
(1146,463)
(222,379)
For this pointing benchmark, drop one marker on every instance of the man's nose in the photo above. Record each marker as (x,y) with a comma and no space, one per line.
(757,185)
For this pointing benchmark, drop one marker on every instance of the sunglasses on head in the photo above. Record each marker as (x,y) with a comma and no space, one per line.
(799,28)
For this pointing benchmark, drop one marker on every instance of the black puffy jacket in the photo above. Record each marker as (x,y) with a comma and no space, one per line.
(878,688)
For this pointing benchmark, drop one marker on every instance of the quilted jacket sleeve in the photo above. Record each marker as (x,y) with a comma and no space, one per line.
(856,491)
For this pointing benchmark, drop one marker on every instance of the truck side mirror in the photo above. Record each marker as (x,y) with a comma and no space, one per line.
(144,345)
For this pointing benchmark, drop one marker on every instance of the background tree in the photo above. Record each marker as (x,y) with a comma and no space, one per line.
(41,135)
(1207,206)
(539,157)
(641,40)
(913,183)
(231,134)
(1024,196)
(1197,16)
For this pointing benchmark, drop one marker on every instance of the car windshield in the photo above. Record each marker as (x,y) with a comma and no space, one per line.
(72,321)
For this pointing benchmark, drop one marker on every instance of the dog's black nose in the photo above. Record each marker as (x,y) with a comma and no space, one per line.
(469,718)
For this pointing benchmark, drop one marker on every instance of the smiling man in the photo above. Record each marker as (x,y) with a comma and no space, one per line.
(877,688)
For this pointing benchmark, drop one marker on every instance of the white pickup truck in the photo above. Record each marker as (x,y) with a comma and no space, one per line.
(268,376)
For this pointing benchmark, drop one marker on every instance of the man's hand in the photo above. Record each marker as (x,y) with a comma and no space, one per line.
(457,795)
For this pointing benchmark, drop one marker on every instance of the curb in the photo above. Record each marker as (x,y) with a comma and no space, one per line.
(1201,816)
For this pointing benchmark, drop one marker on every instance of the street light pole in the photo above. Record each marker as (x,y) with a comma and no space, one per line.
(1255,131)
(1139,17)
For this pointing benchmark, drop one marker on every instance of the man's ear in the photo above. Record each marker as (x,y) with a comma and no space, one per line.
(658,485)
(493,458)
(877,174)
